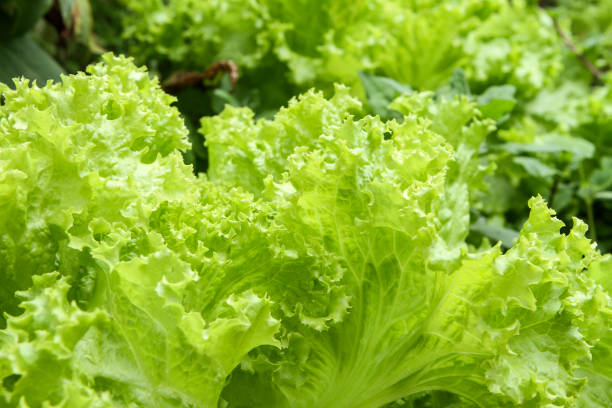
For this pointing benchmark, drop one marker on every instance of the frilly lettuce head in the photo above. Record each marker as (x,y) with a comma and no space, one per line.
(322,261)
(112,306)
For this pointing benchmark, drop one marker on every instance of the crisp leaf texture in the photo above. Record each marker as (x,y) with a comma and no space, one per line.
(426,313)
(321,262)
(112,316)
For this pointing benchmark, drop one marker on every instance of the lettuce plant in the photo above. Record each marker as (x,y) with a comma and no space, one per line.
(321,262)
(319,43)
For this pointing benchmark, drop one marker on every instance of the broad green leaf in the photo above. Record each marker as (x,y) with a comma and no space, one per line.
(381,91)
(599,182)
(66,8)
(580,149)
(23,57)
(604,195)
(19,17)
(507,236)
(497,101)
(534,167)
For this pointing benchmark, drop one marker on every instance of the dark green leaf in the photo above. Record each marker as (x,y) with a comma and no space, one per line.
(24,57)
(497,101)
(599,182)
(220,98)
(604,196)
(380,92)
(458,83)
(17,17)
(457,86)
(552,143)
(535,167)
(505,235)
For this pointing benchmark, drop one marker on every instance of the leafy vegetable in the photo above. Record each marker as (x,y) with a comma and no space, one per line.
(89,168)
(321,262)
(388,242)
(426,313)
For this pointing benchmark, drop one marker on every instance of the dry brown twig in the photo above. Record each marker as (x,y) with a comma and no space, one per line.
(186,79)
(585,61)
(544,4)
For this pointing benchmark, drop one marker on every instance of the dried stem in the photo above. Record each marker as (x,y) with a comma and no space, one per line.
(585,61)
(186,79)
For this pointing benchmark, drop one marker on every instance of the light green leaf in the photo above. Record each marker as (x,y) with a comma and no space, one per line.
(322,262)
(134,312)
(487,326)
(598,368)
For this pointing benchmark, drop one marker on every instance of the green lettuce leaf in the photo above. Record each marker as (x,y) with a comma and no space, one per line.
(427,314)
(322,262)
(598,368)
(114,311)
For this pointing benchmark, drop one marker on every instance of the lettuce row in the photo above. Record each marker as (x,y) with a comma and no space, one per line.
(542,95)
(321,262)
(319,43)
